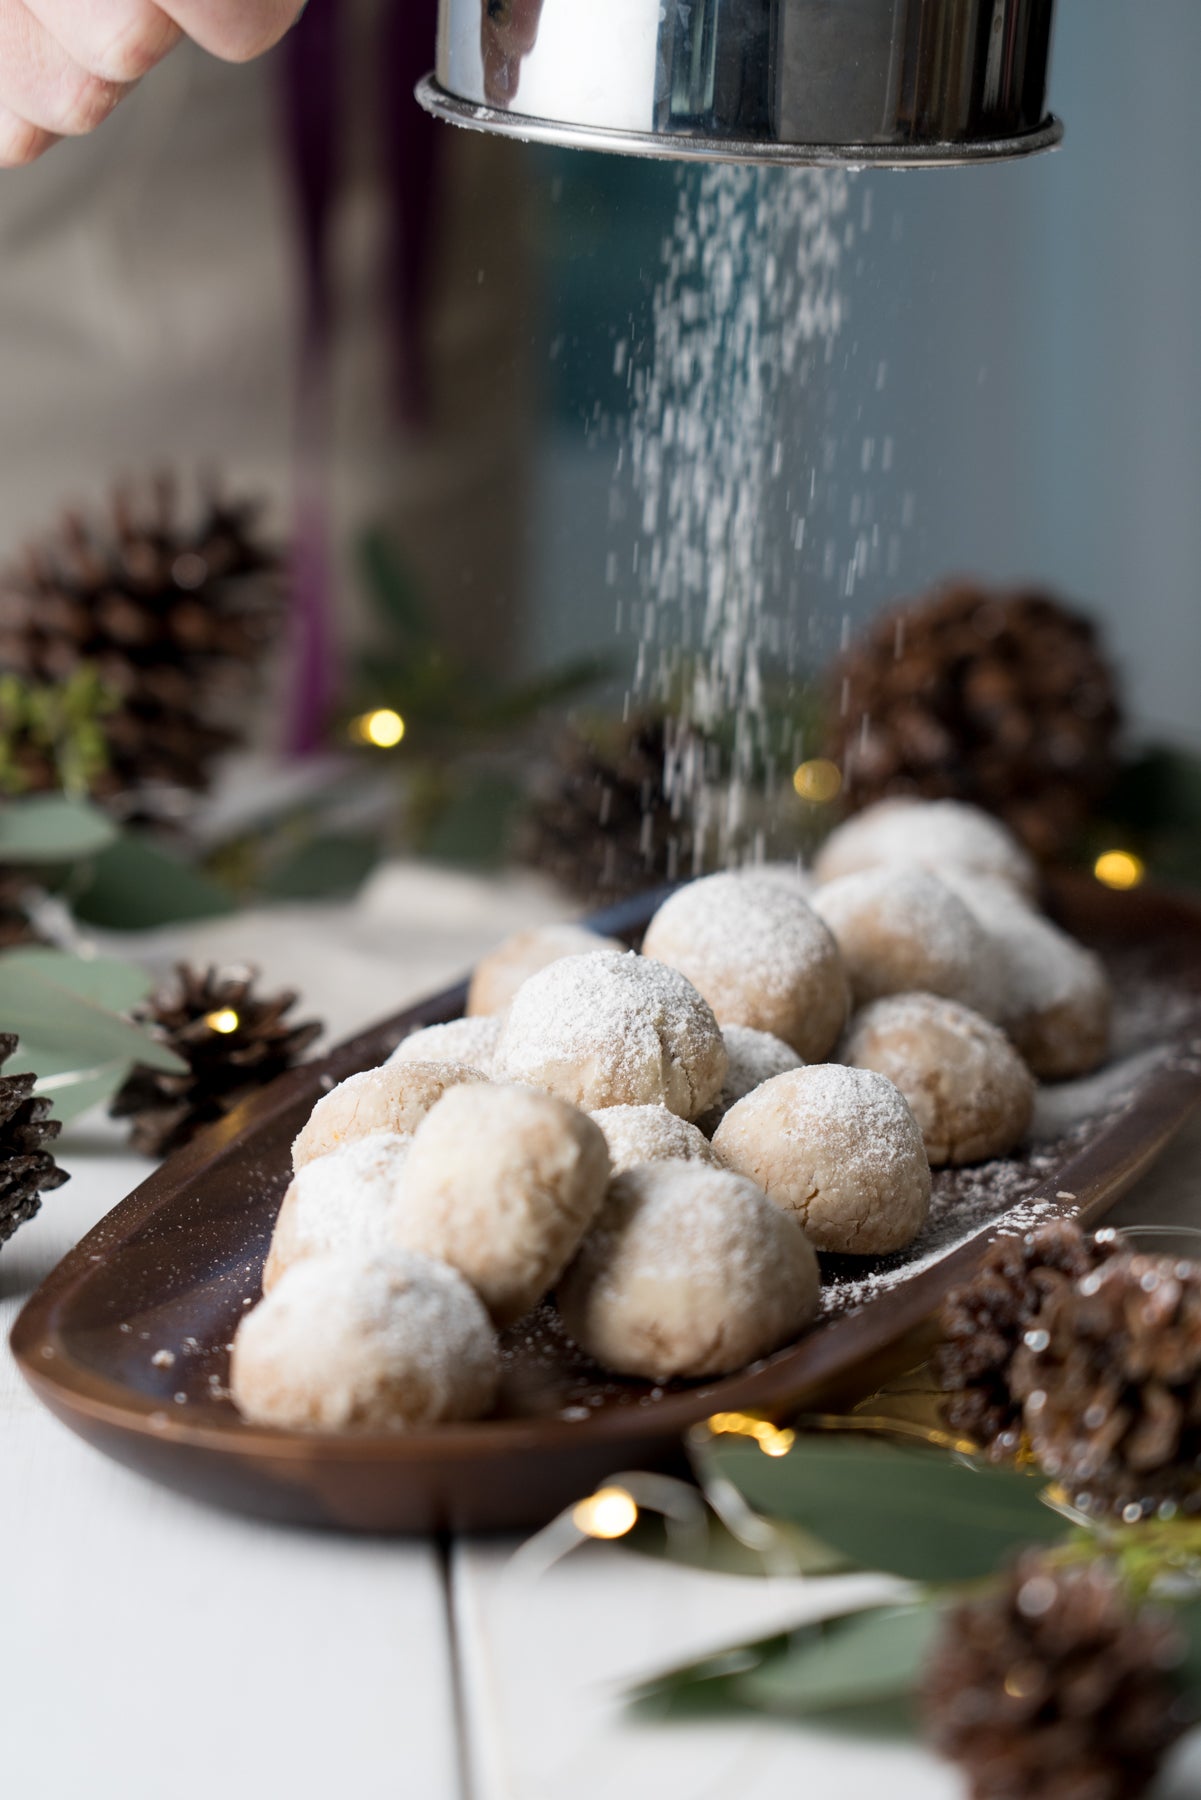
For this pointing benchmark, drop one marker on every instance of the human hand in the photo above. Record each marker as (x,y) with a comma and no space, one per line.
(65,64)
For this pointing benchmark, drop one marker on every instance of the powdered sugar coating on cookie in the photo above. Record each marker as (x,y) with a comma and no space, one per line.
(901,930)
(690,1271)
(608,1030)
(753,1057)
(968,1088)
(840,1149)
(500,973)
(759,955)
(342,1201)
(502,1183)
(353,1342)
(393,1098)
(1055,996)
(469,1042)
(938,834)
(642,1134)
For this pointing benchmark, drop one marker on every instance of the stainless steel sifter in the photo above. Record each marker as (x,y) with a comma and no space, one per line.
(898,83)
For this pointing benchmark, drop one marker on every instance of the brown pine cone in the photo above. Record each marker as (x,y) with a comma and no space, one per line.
(233,1041)
(1054,1688)
(170,617)
(604,823)
(983,1323)
(1110,1384)
(27,1168)
(1002,699)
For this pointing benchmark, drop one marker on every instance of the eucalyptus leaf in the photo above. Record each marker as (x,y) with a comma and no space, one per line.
(60,1028)
(76,1091)
(919,1514)
(52,829)
(136,886)
(107,982)
(331,865)
(862,1662)
(855,1661)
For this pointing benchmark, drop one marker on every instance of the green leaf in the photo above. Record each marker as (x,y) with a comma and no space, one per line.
(861,1663)
(117,986)
(919,1514)
(391,587)
(52,829)
(473,828)
(76,1091)
(855,1661)
(135,886)
(1186,1615)
(61,1029)
(333,864)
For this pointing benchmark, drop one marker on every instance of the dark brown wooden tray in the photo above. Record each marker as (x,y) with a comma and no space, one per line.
(174,1266)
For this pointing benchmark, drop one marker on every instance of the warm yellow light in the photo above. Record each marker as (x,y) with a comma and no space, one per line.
(819,781)
(1119,869)
(383,728)
(609,1513)
(771,1439)
(224,1021)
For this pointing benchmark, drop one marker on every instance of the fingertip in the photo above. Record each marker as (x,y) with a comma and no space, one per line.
(136,49)
(20,142)
(237,34)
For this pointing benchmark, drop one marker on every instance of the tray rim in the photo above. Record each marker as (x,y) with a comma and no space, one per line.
(78,1395)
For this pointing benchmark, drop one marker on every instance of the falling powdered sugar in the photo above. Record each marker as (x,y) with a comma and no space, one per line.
(750,305)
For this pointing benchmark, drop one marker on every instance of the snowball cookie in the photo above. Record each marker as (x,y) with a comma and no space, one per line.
(395,1098)
(837,1148)
(643,1134)
(688,1271)
(901,930)
(355,1342)
(938,834)
(609,1030)
(968,1088)
(342,1201)
(756,951)
(1055,997)
(498,975)
(502,1183)
(753,1057)
(469,1042)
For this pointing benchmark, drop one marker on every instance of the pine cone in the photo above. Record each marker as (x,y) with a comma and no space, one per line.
(27,1168)
(1110,1384)
(1004,700)
(983,1324)
(606,825)
(233,1042)
(171,618)
(1054,1688)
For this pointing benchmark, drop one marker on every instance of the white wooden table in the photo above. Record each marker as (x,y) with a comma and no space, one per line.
(151,1649)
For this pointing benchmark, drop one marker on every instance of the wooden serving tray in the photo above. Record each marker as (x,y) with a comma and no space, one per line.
(175,1265)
